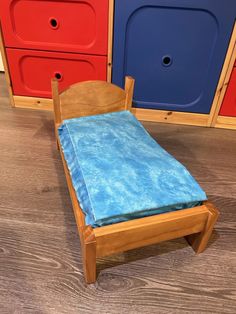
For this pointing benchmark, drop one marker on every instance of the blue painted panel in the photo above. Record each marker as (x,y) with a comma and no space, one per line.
(174,49)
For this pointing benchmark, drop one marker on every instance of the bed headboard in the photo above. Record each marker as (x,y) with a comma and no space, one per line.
(90,98)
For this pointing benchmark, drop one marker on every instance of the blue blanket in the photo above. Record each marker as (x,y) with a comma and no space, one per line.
(119,172)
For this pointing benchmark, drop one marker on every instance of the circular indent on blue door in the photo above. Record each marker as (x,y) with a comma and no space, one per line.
(166,60)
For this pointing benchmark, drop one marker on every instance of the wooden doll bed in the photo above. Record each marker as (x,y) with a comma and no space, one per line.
(195,224)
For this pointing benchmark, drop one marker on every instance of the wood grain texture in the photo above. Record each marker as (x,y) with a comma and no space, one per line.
(56,102)
(89,254)
(226,122)
(90,98)
(37,103)
(149,230)
(225,84)
(110,40)
(1,64)
(4,63)
(224,79)
(199,241)
(40,256)
(171,116)
(129,89)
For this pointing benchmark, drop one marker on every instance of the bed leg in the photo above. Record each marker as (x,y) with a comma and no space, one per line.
(89,254)
(199,241)
(58,145)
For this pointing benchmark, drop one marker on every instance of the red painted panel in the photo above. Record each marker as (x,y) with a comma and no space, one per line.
(74,25)
(31,70)
(228,107)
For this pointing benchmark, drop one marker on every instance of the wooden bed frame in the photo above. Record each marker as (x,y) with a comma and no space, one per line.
(196,224)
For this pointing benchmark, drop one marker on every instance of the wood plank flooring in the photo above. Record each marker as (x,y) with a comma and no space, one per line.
(40,256)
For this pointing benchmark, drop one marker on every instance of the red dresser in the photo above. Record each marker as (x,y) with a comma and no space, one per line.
(63,39)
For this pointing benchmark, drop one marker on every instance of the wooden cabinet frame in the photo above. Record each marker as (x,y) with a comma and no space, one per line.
(208,120)
(215,120)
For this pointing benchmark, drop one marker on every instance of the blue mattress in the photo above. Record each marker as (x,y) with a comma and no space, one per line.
(119,172)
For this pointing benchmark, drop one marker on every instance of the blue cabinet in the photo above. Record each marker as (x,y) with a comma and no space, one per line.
(174,49)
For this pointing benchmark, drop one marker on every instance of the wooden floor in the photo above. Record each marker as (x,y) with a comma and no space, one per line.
(40,256)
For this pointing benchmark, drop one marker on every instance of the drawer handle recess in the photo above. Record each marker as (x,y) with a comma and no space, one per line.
(166,60)
(58,76)
(53,22)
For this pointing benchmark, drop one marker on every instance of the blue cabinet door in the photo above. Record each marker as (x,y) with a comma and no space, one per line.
(174,49)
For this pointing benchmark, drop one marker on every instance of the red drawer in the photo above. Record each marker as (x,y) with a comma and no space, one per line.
(228,107)
(32,70)
(69,26)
